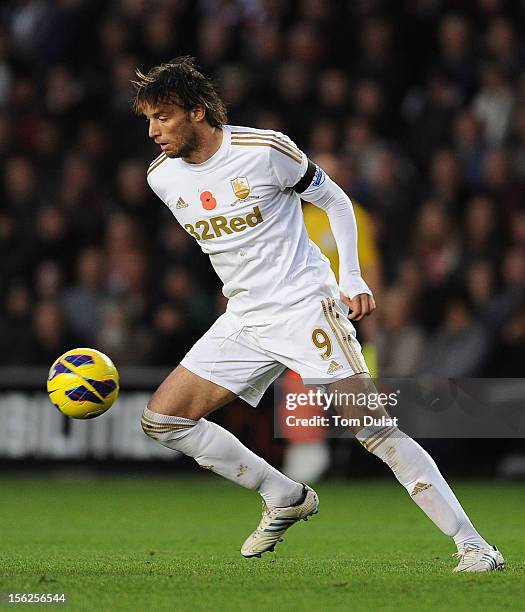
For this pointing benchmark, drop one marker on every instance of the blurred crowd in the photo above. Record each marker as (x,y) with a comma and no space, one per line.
(417,108)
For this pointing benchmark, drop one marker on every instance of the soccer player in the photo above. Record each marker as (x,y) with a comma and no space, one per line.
(237,191)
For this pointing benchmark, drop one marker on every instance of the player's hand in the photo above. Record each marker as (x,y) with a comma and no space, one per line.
(360,306)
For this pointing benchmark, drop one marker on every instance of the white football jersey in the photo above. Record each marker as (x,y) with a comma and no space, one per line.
(240,208)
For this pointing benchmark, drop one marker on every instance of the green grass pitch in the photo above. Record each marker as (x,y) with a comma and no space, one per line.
(173,544)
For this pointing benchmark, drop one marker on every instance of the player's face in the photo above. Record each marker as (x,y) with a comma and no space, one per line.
(172,128)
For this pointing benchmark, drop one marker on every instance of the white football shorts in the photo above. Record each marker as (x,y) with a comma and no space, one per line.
(317,341)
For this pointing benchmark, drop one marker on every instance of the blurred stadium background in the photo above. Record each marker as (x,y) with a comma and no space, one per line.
(417,109)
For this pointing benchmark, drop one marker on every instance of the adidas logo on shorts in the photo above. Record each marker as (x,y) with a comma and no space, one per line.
(333,367)
(181,203)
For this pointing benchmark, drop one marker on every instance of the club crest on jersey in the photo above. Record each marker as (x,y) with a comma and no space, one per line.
(241,187)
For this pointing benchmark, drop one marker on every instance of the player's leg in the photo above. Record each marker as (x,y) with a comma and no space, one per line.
(415,469)
(228,362)
(174,417)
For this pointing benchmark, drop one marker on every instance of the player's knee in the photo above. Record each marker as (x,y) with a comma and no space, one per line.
(158,405)
(154,405)
(193,408)
(188,406)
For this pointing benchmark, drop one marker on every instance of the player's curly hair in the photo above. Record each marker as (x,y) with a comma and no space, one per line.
(178,82)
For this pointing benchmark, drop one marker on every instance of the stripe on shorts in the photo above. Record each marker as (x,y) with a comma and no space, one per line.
(343,347)
(347,337)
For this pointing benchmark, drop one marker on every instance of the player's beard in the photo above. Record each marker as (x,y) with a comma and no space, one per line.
(188,144)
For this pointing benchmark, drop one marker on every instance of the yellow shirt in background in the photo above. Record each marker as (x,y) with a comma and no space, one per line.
(318,227)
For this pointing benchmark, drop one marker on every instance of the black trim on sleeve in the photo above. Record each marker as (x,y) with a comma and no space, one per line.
(304,183)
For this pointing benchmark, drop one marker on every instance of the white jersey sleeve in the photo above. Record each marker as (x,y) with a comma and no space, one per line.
(287,162)
(158,188)
(328,196)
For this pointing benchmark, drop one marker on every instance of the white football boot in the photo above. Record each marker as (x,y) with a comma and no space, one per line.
(276,521)
(473,558)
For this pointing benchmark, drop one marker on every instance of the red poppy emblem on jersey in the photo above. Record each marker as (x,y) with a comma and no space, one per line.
(208,201)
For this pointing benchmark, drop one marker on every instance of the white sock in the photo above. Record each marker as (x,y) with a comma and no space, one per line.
(216,449)
(418,473)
